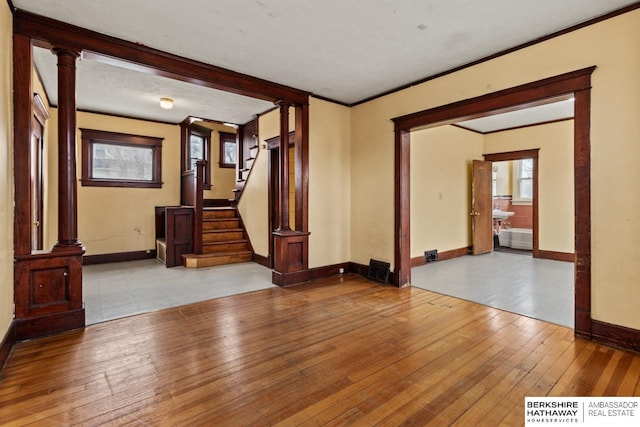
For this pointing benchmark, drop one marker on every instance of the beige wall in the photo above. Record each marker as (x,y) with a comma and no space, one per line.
(440,180)
(615,130)
(329,189)
(6,171)
(555,183)
(329,183)
(504,177)
(223,179)
(113,219)
(254,202)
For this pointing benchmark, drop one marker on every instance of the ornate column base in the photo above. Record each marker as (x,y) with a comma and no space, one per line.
(290,263)
(48,293)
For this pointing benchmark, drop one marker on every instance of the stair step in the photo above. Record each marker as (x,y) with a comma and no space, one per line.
(208,260)
(219,213)
(221,224)
(224,235)
(226,246)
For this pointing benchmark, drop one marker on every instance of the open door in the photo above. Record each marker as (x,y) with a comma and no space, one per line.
(481,217)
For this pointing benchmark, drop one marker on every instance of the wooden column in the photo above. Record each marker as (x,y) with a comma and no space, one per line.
(291,247)
(582,200)
(47,284)
(283,189)
(67,192)
(402,258)
(22,116)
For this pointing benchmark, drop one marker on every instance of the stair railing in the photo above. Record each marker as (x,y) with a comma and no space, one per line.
(198,207)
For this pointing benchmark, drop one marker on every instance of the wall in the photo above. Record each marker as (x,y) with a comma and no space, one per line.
(254,202)
(6,170)
(611,45)
(112,219)
(555,183)
(329,179)
(329,189)
(440,180)
(223,180)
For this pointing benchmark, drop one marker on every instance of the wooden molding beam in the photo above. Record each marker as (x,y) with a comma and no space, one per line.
(48,32)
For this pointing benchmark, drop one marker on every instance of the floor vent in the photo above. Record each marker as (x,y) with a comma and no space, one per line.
(431,256)
(379,271)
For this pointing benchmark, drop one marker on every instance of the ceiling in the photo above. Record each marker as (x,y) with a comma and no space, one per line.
(344,51)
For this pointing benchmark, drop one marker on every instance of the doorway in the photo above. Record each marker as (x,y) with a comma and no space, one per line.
(40,116)
(273,145)
(577,83)
(515,201)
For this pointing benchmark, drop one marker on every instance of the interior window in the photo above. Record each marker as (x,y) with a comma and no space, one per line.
(111,159)
(523,180)
(228,150)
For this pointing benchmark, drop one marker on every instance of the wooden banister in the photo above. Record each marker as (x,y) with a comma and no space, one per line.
(198,206)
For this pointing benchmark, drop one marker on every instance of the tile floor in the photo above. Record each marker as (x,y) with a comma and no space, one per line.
(118,290)
(538,288)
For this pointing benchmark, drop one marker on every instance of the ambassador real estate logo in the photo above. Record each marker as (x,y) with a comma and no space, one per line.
(582,411)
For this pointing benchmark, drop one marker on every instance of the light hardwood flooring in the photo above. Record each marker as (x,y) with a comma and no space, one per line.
(333,352)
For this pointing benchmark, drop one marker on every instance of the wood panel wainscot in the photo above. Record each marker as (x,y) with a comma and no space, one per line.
(48,293)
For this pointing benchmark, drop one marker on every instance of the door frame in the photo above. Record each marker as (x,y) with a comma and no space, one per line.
(519,155)
(36,152)
(273,146)
(576,83)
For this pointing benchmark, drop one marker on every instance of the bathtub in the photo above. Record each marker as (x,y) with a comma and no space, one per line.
(517,238)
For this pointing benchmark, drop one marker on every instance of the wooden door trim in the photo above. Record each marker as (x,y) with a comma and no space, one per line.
(274,143)
(519,155)
(577,83)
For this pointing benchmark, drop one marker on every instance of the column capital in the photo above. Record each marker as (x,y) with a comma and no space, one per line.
(65,50)
(282,103)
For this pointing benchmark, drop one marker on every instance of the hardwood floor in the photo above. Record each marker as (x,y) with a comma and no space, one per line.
(336,351)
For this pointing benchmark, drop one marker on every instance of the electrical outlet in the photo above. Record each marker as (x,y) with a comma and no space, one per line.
(341,270)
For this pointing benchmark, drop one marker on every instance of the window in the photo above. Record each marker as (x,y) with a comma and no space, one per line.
(228,150)
(111,159)
(199,148)
(523,181)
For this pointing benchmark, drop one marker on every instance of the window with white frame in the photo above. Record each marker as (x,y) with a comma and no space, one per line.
(523,181)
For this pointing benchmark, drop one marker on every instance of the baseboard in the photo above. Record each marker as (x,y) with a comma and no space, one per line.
(328,270)
(50,324)
(442,256)
(262,260)
(557,256)
(615,336)
(360,269)
(118,257)
(6,345)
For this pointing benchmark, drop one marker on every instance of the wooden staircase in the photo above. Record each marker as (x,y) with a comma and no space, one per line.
(224,240)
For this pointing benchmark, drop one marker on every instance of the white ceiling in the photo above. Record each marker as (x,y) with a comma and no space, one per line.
(342,50)
(540,114)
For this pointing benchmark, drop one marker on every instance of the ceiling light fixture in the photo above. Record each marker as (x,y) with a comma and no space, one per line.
(166,103)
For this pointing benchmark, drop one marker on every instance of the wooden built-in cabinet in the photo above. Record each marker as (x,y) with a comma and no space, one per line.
(174,233)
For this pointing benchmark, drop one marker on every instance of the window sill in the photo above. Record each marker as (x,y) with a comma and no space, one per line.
(522,202)
(120,183)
